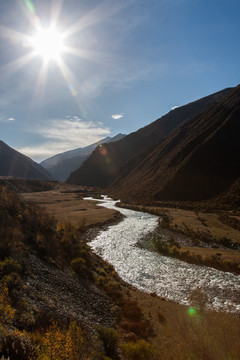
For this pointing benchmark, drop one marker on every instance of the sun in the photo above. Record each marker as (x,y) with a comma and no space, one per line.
(45,41)
(48,43)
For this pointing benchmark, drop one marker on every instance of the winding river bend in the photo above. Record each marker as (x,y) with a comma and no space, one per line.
(148,271)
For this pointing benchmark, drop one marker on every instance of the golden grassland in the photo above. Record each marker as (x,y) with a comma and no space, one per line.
(70,207)
(178,335)
(203,222)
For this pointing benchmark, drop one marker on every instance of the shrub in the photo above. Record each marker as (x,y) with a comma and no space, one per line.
(140,328)
(132,311)
(109,338)
(101,272)
(112,289)
(78,265)
(129,337)
(101,281)
(54,344)
(140,350)
(12,280)
(161,318)
(18,346)
(9,265)
(6,311)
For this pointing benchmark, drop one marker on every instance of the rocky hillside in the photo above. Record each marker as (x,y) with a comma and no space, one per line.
(105,162)
(15,164)
(198,161)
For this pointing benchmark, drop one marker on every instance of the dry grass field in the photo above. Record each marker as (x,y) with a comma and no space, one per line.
(178,335)
(226,254)
(208,223)
(203,222)
(67,206)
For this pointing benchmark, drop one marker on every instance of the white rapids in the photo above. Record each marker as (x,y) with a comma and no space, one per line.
(150,272)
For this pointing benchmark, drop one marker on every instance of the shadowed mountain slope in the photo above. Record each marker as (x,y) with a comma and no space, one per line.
(107,160)
(199,160)
(60,166)
(15,164)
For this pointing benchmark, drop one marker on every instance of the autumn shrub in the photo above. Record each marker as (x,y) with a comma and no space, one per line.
(131,311)
(64,344)
(110,340)
(161,318)
(133,320)
(12,280)
(78,265)
(108,267)
(9,265)
(142,329)
(24,225)
(112,289)
(101,272)
(43,318)
(101,281)
(54,344)
(129,337)
(140,350)
(18,346)
(6,310)
(83,253)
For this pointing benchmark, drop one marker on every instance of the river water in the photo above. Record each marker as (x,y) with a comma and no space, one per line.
(151,272)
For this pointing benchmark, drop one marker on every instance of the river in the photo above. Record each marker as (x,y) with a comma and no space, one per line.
(151,272)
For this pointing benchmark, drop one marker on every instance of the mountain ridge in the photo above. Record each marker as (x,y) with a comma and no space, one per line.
(104,164)
(61,165)
(15,164)
(199,160)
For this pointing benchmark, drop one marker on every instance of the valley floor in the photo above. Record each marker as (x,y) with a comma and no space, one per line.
(65,203)
(173,331)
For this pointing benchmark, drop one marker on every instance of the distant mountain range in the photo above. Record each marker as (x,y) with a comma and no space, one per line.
(199,160)
(15,164)
(109,164)
(60,166)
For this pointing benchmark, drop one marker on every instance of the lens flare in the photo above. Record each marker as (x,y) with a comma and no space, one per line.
(192,311)
(30,6)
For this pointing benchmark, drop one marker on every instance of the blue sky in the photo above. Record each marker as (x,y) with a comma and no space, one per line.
(130,62)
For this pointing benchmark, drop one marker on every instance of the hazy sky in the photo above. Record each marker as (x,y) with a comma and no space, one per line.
(124,64)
